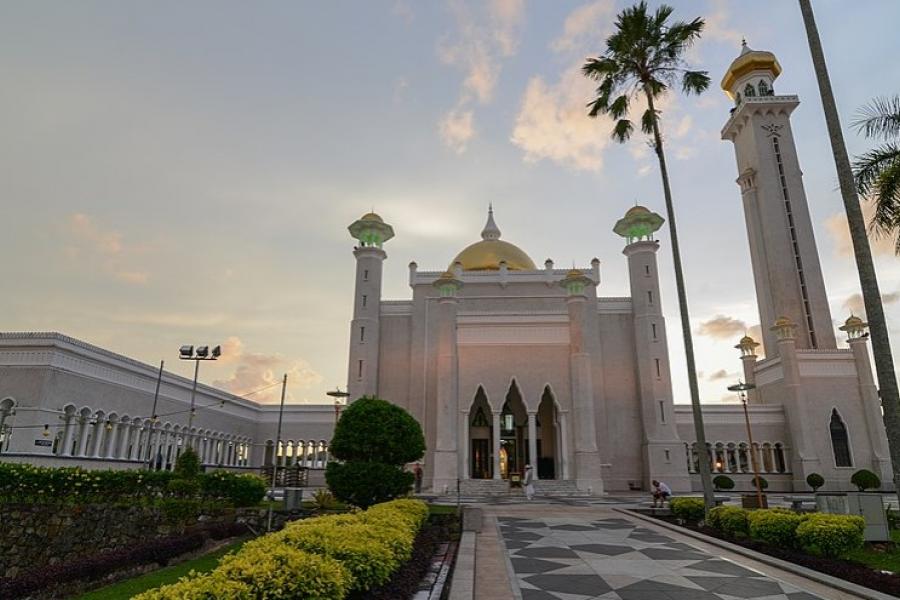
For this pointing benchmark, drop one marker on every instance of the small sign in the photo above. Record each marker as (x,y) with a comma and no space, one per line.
(43,442)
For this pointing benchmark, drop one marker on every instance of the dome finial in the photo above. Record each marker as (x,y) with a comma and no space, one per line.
(490,231)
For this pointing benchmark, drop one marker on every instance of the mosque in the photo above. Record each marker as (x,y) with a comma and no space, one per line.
(505,363)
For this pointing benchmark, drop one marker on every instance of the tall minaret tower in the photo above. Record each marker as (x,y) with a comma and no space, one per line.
(786,267)
(371,232)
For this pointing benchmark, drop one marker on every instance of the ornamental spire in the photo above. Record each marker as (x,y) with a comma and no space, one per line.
(490,231)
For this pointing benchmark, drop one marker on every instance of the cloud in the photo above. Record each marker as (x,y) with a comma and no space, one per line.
(553,124)
(722,327)
(456,129)
(854,304)
(839,232)
(585,26)
(721,374)
(261,373)
(716,25)
(403,10)
(478,47)
(90,244)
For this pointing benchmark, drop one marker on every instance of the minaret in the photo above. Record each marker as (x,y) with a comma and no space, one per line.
(786,269)
(663,450)
(371,232)
(446,459)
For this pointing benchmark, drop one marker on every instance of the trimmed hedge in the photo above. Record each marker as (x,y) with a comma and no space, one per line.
(46,485)
(831,535)
(865,480)
(691,510)
(322,558)
(723,482)
(730,520)
(774,526)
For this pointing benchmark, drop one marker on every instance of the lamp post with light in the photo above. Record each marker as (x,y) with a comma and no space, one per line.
(196,355)
(340,398)
(742,388)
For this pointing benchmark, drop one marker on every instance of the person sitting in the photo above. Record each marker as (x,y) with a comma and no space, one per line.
(661,493)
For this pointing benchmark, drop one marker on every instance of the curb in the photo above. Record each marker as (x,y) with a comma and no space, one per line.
(836,583)
(462,584)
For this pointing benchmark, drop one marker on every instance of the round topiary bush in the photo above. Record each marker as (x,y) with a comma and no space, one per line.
(690,510)
(763,484)
(815,481)
(775,527)
(372,441)
(187,465)
(730,520)
(831,535)
(723,482)
(865,480)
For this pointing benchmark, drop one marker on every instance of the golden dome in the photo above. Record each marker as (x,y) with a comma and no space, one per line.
(487,254)
(783,322)
(371,217)
(854,321)
(747,340)
(749,60)
(637,210)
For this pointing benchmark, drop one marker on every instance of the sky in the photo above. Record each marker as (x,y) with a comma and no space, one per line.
(184,173)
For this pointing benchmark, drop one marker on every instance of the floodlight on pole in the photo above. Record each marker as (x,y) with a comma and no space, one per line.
(340,398)
(188,352)
(742,388)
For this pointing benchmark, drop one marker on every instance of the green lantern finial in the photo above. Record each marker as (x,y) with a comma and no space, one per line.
(639,223)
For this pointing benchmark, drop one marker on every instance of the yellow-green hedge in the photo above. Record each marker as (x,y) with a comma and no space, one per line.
(831,535)
(322,558)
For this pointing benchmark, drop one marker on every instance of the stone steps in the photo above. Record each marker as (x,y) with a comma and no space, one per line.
(492,487)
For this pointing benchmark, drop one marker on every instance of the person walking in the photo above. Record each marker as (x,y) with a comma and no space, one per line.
(417,471)
(528,482)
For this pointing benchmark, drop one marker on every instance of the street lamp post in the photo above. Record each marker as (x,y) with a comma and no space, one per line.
(742,389)
(196,355)
(340,398)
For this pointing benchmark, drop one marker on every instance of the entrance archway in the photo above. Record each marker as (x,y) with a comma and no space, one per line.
(480,437)
(549,443)
(514,433)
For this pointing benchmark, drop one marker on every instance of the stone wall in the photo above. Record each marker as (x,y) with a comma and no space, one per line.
(36,535)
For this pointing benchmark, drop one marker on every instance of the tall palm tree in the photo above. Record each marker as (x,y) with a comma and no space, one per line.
(644,58)
(877,171)
(868,280)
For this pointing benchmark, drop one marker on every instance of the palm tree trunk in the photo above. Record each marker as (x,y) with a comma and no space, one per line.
(700,433)
(868,280)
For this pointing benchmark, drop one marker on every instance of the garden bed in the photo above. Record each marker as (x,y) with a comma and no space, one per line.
(440,529)
(836,567)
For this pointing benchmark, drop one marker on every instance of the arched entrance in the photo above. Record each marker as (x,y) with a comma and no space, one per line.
(549,442)
(480,437)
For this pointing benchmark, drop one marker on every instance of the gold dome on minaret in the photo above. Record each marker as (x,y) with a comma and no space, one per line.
(749,60)
(487,254)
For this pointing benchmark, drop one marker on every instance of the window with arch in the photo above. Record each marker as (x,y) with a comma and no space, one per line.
(764,89)
(479,419)
(840,442)
(749,91)
(780,463)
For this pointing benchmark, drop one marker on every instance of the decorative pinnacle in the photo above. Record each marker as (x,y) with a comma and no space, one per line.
(490,231)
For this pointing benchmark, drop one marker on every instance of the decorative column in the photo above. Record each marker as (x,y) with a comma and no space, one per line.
(805,460)
(83,436)
(134,453)
(362,376)
(495,428)
(121,439)
(564,443)
(855,329)
(588,474)
(532,442)
(99,430)
(446,460)
(463,444)
(748,347)
(68,432)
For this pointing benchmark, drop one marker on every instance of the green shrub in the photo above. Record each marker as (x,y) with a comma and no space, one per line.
(324,500)
(281,572)
(763,484)
(30,484)
(240,490)
(730,520)
(183,488)
(831,535)
(180,510)
(364,484)
(187,465)
(199,587)
(723,482)
(690,510)
(865,480)
(374,430)
(775,527)
(815,481)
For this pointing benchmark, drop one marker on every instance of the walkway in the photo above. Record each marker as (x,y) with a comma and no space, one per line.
(557,552)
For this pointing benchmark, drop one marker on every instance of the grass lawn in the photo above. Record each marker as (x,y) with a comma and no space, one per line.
(442,509)
(130,587)
(886,561)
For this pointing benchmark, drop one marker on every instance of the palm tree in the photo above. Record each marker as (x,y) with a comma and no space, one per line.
(877,172)
(644,59)
(868,280)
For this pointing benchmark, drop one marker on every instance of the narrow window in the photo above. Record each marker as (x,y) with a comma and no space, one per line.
(658,371)
(366,275)
(840,442)
(749,91)
(650,296)
(362,334)
(365,298)
(647,270)
(662,414)
(359,374)
(668,456)
(653,329)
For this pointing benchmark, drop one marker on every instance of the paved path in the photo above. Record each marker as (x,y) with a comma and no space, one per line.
(552,552)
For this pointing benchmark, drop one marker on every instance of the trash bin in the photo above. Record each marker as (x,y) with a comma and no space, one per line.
(293,497)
